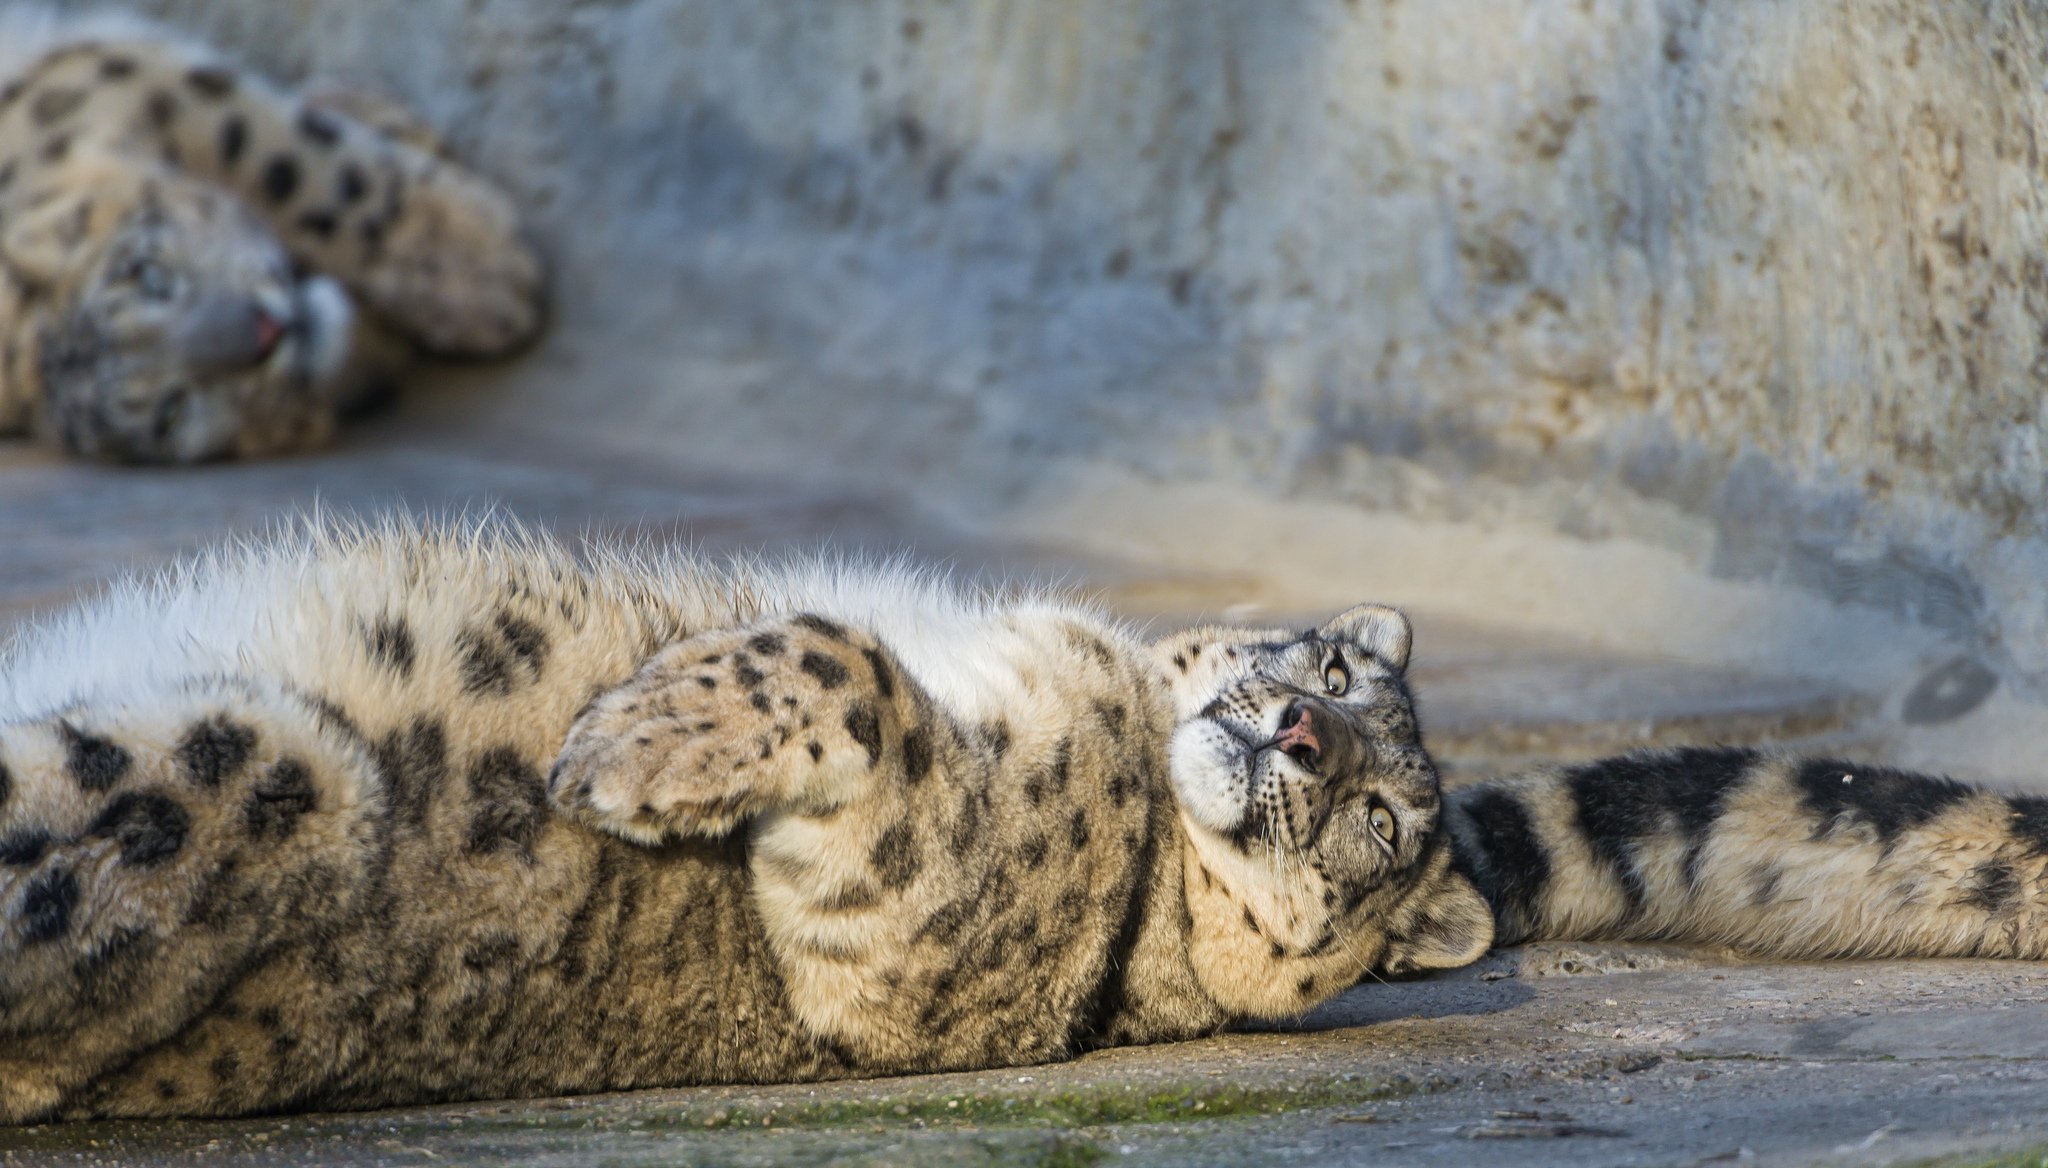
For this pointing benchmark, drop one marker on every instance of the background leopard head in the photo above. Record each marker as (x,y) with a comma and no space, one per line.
(1315,850)
(168,322)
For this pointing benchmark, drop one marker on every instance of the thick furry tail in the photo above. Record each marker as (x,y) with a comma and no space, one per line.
(1771,854)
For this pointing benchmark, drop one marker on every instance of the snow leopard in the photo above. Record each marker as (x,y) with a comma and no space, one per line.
(367,814)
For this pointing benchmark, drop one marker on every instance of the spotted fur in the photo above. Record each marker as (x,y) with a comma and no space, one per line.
(361,817)
(1764,852)
(184,248)
(357,817)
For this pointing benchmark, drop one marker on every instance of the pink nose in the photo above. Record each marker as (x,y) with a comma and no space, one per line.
(269,331)
(1298,739)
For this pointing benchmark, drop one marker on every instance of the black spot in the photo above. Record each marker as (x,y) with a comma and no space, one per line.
(95,762)
(116,68)
(1180,662)
(486,667)
(508,799)
(917,755)
(821,626)
(8,170)
(830,673)
(1251,922)
(333,717)
(47,906)
(497,658)
(526,640)
(1511,868)
(413,763)
(967,827)
(150,826)
(167,1089)
(234,138)
(817,751)
(995,737)
(1622,800)
(350,186)
(1991,886)
(371,232)
(865,727)
(766,644)
(280,178)
(1306,987)
(55,150)
(284,795)
(6,784)
(894,857)
(2029,821)
(211,81)
(1077,829)
(21,847)
(319,127)
(885,679)
(1073,902)
(318,224)
(1104,656)
(1121,784)
(760,702)
(161,108)
(1891,801)
(53,105)
(226,1066)
(490,951)
(848,898)
(945,926)
(1113,716)
(1033,851)
(390,642)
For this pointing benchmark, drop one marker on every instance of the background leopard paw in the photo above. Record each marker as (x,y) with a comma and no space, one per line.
(458,276)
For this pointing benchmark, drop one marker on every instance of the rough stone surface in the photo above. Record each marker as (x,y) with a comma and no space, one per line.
(1762,283)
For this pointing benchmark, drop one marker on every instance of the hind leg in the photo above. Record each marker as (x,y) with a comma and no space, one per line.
(151,854)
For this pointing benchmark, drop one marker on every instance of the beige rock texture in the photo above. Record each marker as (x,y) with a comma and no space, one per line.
(1749,295)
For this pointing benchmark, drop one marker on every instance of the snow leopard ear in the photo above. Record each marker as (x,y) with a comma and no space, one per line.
(1447,924)
(1383,631)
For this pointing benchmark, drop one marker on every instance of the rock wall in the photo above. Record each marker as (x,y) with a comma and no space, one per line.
(1760,283)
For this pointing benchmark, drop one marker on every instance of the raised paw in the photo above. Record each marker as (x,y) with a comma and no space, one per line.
(722,727)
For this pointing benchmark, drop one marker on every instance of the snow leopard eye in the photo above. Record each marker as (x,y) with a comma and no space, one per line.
(1383,823)
(1336,678)
(151,279)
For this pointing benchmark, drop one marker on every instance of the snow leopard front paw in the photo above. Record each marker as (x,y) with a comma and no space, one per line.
(724,726)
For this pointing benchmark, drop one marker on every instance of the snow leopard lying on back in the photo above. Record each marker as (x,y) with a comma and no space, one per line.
(362,817)
(183,248)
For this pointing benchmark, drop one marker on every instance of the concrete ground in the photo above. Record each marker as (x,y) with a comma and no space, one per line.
(1568,1054)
